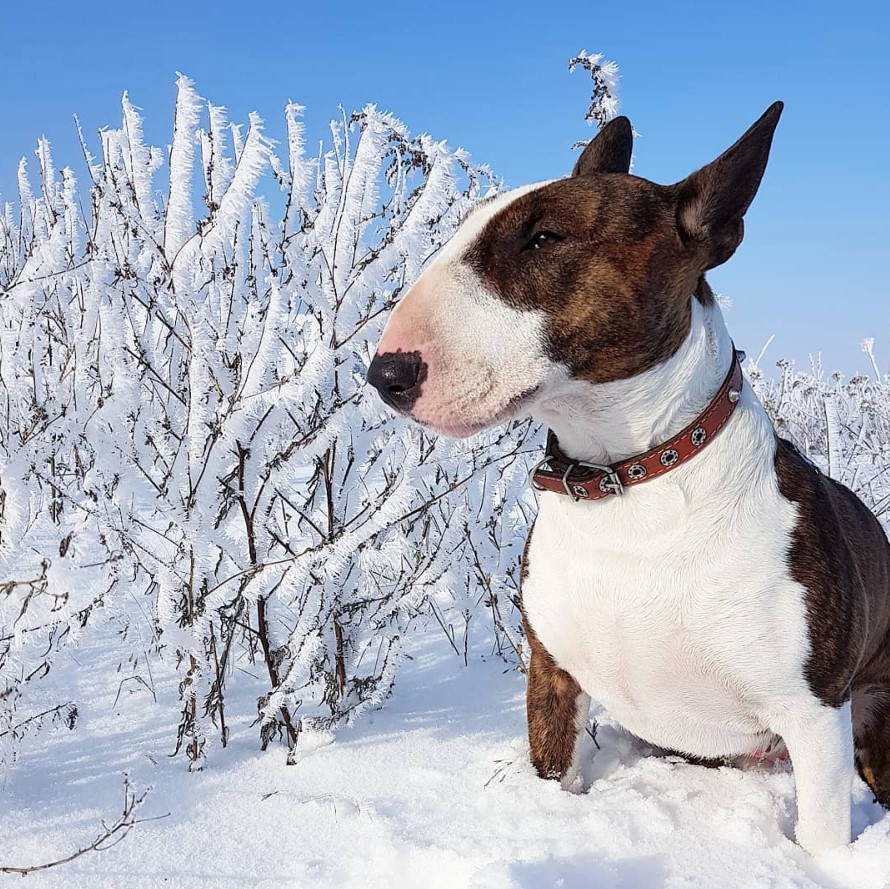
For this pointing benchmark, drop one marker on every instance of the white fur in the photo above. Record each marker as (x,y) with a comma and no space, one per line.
(582,713)
(672,606)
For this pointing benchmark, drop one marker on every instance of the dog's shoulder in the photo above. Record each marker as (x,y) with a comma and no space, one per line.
(840,554)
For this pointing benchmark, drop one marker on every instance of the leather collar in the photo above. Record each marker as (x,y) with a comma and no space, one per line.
(591,481)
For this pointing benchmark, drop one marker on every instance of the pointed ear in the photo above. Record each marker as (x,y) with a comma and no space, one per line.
(609,151)
(712,201)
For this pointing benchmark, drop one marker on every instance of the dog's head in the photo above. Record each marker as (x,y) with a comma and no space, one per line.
(590,277)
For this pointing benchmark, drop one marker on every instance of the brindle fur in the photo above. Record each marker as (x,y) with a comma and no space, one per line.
(552,711)
(626,254)
(843,562)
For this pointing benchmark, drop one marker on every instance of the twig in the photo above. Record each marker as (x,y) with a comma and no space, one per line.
(119,829)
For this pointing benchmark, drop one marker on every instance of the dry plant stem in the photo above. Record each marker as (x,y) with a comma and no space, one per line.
(110,835)
(36,718)
(339,654)
(340,659)
(293,732)
(194,747)
(223,732)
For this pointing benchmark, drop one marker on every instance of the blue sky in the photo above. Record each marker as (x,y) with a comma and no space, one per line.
(492,78)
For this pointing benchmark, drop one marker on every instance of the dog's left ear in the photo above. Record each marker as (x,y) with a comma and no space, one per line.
(712,202)
(609,151)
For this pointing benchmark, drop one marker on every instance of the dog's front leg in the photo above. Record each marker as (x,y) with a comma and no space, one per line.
(820,741)
(557,711)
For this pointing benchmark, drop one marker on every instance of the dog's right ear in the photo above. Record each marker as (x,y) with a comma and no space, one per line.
(609,151)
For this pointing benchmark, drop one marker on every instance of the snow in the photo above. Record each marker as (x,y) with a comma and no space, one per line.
(433,789)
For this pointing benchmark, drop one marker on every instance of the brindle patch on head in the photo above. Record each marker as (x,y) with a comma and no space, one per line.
(614,280)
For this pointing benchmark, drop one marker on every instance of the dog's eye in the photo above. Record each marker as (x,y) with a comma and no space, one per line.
(542,239)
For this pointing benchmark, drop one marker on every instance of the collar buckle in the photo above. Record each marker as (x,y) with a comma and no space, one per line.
(610,483)
(534,471)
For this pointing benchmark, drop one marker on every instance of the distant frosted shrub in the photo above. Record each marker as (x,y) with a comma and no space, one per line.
(842,425)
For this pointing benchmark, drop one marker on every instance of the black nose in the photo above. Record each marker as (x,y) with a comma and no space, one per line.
(397,376)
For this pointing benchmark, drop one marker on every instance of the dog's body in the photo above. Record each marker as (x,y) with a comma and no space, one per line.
(677,609)
(671,643)
(737,599)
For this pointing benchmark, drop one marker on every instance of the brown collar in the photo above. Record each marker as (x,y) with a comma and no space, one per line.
(590,481)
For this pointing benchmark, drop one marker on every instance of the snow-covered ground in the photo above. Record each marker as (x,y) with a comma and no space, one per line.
(433,790)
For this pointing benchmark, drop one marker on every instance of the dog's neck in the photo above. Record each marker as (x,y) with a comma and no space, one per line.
(609,422)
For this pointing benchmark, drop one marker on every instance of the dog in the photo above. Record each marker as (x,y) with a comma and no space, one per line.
(688,569)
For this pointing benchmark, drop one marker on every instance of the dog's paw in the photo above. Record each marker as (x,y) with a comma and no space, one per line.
(571,781)
(822,836)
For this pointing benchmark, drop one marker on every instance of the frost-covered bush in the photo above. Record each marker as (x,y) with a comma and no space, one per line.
(184,421)
(843,426)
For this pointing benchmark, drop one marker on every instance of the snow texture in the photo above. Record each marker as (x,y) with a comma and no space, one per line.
(433,790)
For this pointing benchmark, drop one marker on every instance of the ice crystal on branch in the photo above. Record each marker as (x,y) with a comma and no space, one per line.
(604,98)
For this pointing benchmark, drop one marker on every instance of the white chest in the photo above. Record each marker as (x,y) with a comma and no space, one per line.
(674,612)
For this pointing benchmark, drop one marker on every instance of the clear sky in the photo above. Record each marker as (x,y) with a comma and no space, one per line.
(492,78)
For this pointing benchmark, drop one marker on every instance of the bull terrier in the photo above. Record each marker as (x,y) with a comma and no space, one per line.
(688,569)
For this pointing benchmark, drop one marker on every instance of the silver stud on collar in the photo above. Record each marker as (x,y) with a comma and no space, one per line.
(610,484)
(637,471)
(699,434)
(669,457)
(734,395)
